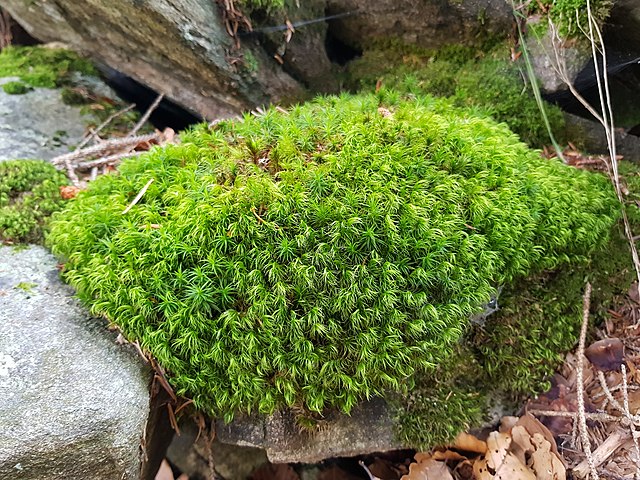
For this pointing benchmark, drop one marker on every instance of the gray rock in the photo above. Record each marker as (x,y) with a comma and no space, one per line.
(190,451)
(181,47)
(589,136)
(573,55)
(73,403)
(368,429)
(38,124)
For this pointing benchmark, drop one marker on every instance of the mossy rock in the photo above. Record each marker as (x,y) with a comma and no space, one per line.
(29,194)
(42,66)
(322,256)
(16,88)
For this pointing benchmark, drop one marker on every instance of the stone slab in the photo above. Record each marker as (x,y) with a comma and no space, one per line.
(73,403)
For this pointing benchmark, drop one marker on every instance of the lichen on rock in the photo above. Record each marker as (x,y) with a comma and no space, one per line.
(325,255)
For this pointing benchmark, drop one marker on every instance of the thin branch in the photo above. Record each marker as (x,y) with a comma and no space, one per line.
(146,115)
(111,159)
(109,119)
(106,147)
(582,425)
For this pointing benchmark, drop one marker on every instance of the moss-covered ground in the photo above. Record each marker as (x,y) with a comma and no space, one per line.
(56,68)
(316,258)
(29,194)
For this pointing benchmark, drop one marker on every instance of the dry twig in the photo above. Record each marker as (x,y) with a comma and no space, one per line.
(146,115)
(582,425)
(109,119)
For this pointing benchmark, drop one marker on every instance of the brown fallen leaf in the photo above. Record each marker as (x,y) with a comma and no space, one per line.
(606,354)
(510,469)
(546,464)
(469,443)
(165,473)
(428,469)
(68,192)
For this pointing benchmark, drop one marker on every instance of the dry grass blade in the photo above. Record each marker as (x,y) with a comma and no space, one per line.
(138,197)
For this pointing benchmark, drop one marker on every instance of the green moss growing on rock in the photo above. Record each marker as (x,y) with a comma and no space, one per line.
(16,88)
(323,256)
(489,82)
(29,194)
(42,66)
(570,16)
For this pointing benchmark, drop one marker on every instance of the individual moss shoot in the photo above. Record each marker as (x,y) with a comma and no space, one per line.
(326,255)
(29,194)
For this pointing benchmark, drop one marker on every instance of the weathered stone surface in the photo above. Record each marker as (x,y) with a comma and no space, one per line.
(368,429)
(589,136)
(73,403)
(37,124)
(429,24)
(574,56)
(179,48)
(190,450)
(182,49)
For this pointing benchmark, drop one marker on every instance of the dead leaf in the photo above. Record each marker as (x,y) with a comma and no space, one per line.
(386,113)
(497,448)
(428,469)
(510,469)
(469,443)
(533,426)
(606,354)
(545,463)
(68,192)
(165,473)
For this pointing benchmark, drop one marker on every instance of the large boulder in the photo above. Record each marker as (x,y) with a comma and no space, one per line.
(73,403)
(182,48)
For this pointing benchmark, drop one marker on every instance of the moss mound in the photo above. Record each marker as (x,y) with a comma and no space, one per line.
(323,256)
(489,82)
(29,194)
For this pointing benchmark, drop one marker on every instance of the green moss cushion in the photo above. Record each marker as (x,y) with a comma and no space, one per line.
(29,193)
(322,256)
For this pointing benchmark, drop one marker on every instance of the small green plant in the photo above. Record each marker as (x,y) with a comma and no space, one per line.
(29,194)
(16,88)
(570,16)
(26,286)
(317,258)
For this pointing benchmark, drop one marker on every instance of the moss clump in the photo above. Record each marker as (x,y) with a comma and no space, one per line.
(491,83)
(515,353)
(16,88)
(443,403)
(29,194)
(571,17)
(41,66)
(324,256)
